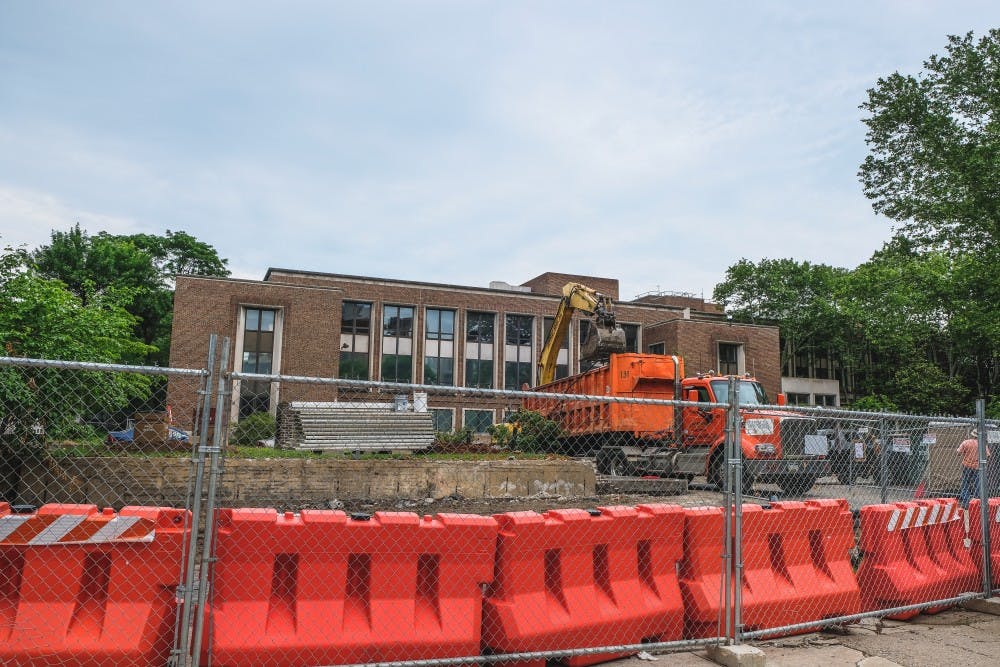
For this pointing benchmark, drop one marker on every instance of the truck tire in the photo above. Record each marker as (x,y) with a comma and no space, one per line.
(717,475)
(612,461)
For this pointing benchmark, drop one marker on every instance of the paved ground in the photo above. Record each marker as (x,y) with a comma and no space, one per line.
(953,638)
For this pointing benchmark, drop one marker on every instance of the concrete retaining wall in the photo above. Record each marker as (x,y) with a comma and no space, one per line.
(114,482)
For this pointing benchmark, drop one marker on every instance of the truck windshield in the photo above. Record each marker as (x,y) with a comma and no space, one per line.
(751,393)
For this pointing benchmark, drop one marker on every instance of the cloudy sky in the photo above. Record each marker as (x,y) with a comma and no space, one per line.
(459,142)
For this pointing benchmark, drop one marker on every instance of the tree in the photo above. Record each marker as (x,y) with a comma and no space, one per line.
(935,147)
(41,318)
(142,265)
(797,295)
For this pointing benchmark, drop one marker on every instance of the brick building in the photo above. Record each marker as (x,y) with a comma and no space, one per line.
(330,325)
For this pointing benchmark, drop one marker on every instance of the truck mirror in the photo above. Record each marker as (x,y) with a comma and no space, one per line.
(781,399)
(692,395)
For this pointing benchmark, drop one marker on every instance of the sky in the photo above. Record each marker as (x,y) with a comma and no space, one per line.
(459,142)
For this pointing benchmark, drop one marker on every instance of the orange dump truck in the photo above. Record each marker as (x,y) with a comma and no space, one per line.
(680,441)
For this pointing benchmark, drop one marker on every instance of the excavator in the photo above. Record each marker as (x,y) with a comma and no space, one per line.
(606,336)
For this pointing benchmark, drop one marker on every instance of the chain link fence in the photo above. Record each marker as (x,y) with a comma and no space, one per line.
(284,520)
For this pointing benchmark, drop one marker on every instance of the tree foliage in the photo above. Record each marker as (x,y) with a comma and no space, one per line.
(934,144)
(41,318)
(140,265)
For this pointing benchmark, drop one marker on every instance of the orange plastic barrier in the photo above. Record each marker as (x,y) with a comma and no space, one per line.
(976,534)
(797,563)
(574,578)
(321,588)
(913,553)
(83,587)
(796,566)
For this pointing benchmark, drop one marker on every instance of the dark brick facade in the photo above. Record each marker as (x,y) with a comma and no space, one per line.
(310,307)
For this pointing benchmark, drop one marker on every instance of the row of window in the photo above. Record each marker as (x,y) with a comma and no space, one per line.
(440,335)
(806,364)
(827,400)
(475,420)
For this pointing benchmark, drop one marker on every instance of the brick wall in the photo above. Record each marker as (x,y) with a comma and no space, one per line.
(311,307)
(552,283)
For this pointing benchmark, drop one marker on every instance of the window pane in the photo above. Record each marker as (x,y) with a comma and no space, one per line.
(518,329)
(397,368)
(479,373)
(267,320)
(478,420)
(447,325)
(253,318)
(353,366)
(479,327)
(356,317)
(444,420)
(631,337)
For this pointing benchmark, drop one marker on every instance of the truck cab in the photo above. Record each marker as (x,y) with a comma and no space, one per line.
(776,445)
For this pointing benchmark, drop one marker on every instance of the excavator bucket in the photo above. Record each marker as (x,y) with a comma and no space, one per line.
(602,343)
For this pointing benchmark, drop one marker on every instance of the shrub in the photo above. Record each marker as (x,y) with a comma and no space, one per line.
(250,430)
(527,431)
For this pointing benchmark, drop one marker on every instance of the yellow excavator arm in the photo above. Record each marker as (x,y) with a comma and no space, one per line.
(606,336)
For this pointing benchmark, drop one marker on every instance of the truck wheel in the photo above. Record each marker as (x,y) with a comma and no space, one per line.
(717,475)
(612,461)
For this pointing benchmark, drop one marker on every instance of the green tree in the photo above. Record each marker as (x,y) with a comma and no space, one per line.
(41,318)
(933,168)
(142,265)
(799,296)
(934,144)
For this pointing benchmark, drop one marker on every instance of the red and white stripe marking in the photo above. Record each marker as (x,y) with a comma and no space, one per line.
(43,530)
(916,517)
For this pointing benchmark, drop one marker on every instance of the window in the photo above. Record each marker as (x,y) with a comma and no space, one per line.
(439,347)
(477,420)
(730,358)
(797,399)
(479,339)
(657,348)
(631,337)
(585,329)
(355,333)
(821,367)
(518,361)
(258,353)
(397,344)
(828,400)
(562,359)
(443,418)
(802,364)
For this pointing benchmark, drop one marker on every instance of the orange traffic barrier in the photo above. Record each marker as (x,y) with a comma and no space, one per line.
(912,553)
(796,566)
(321,588)
(85,587)
(797,563)
(976,535)
(701,572)
(575,578)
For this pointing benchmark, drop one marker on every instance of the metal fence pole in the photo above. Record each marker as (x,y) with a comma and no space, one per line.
(984,509)
(734,408)
(208,547)
(883,436)
(727,525)
(186,594)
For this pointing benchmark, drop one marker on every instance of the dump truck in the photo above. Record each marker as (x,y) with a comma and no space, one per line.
(778,447)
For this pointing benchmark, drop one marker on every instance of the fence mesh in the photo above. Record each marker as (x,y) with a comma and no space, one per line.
(355,522)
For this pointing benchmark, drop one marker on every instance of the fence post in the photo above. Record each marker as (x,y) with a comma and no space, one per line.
(883,436)
(737,475)
(186,591)
(208,541)
(727,524)
(984,509)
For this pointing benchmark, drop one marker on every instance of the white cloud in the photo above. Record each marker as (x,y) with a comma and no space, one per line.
(28,217)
